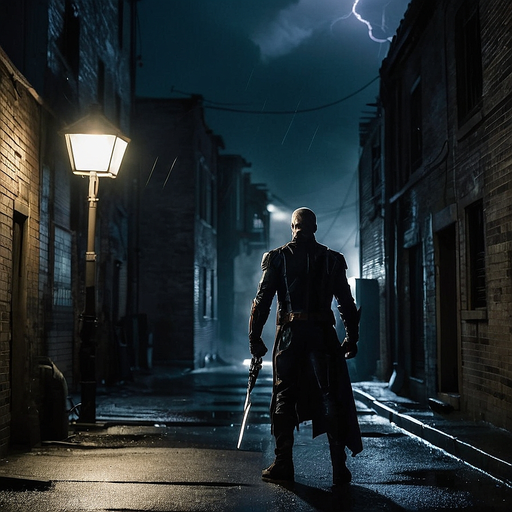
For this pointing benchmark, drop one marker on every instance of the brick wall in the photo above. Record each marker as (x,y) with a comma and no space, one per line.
(20,116)
(176,247)
(487,370)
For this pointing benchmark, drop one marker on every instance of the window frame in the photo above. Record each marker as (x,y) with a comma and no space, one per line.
(468,58)
(476,256)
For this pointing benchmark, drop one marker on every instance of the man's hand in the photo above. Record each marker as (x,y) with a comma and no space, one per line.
(257,348)
(349,348)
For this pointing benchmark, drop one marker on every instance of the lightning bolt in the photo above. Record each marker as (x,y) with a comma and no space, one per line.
(367,23)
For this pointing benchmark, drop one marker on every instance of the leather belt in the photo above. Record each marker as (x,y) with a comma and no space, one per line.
(295,316)
(299,316)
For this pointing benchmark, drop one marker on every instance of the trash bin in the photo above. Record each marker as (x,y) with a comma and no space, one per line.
(53,414)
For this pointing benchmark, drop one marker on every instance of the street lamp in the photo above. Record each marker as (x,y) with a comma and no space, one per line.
(96,148)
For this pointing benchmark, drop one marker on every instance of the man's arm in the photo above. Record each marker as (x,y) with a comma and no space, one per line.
(261,304)
(347,307)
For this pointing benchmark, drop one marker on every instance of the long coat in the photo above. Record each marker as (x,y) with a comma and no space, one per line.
(306,277)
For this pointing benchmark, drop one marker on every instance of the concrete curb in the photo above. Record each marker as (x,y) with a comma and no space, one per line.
(498,468)
(11,483)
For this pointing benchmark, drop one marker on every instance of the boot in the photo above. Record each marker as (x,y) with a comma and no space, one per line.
(281,470)
(340,473)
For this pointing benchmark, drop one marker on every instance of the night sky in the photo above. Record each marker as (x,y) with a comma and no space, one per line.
(275,56)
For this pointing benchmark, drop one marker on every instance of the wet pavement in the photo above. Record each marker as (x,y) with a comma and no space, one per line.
(202,396)
(477,443)
(167,441)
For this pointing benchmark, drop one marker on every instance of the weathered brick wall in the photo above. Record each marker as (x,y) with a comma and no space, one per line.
(20,117)
(461,165)
(487,345)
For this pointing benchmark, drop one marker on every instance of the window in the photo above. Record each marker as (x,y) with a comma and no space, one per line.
(398,138)
(416,137)
(207,203)
(476,256)
(207,286)
(257,223)
(376,164)
(212,294)
(468,59)
(204,291)
(62,268)
(120,22)
(70,40)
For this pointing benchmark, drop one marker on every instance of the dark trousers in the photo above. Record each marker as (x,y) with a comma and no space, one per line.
(305,353)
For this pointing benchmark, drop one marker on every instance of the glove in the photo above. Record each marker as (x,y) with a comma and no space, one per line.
(257,348)
(349,348)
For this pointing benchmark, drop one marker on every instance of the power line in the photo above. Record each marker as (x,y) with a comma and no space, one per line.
(218,103)
(352,233)
(287,112)
(343,204)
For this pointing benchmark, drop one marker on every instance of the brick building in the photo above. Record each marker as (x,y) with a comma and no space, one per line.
(176,242)
(444,259)
(57,57)
(198,211)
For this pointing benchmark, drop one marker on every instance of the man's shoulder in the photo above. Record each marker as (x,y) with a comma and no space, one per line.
(335,256)
(271,257)
(274,256)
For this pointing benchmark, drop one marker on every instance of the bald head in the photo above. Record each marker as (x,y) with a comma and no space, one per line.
(303,221)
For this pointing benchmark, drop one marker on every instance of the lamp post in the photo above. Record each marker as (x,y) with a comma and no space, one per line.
(95,148)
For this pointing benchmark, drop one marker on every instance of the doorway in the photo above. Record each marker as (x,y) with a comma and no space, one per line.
(416,314)
(18,350)
(448,350)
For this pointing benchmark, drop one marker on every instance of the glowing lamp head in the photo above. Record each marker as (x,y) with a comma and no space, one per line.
(95,145)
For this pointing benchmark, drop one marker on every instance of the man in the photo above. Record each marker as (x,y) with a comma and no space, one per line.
(310,373)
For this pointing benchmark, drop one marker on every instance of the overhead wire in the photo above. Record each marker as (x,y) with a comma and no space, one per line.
(343,204)
(216,106)
(220,103)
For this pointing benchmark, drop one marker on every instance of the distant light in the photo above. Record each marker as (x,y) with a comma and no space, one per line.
(278,214)
(247,362)
(352,284)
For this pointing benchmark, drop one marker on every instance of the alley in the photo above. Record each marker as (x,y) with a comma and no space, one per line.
(168,443)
